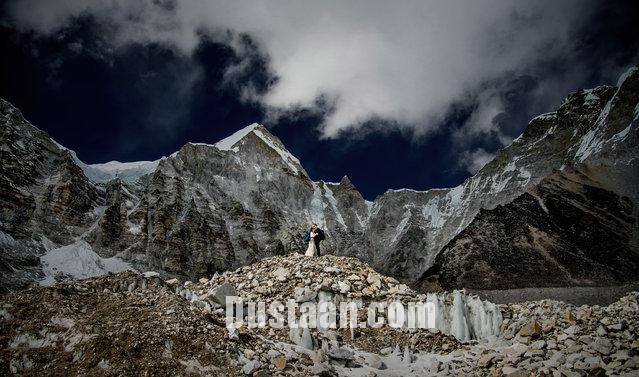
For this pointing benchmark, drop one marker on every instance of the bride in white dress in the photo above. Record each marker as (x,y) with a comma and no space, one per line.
(312,249)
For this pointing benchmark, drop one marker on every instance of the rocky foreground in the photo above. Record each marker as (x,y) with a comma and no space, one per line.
(138,324)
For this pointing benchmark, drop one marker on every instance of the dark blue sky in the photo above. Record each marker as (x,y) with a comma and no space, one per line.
(145,101)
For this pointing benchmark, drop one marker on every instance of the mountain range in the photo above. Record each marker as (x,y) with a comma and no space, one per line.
(557,207)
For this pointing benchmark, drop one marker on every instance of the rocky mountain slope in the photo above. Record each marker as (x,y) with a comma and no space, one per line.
(208,208)
(565,231)
(131,323)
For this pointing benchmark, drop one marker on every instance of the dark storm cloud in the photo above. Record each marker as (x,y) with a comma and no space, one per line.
(407,62)
(128,102)
(438,86)
(145,88)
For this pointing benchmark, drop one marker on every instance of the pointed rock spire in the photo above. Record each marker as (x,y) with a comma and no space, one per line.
(346,183)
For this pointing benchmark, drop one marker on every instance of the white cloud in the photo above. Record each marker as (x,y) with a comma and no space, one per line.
(407,61)
(473,161)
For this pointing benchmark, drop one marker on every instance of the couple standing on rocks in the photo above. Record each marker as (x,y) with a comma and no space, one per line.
(314,236)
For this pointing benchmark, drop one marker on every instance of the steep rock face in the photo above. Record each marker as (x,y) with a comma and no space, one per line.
(116,230)
(44,197)
(565,231)
(43,190)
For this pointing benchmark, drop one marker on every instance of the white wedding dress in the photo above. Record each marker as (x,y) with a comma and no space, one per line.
(312,250)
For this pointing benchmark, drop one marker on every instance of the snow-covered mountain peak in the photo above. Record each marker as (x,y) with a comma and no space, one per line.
(245,140)
(229,142)
(132,171)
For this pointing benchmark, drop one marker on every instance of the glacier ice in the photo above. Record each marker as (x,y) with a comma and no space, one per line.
(465,316)
(80,261)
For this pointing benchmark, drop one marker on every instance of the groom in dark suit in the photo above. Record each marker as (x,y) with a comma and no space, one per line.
(318,238)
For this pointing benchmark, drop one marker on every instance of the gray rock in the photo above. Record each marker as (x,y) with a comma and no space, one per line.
(374,280)
(572,330)
(375,361)
(539,344)
(281,274)
(602,345)
(301,337)
(321,369)
(485,361)
(251,367)
(619,326)
(621,355)
(344,287)
(304,294)
(555,360)
(341,353)
(221,292)
(508,370)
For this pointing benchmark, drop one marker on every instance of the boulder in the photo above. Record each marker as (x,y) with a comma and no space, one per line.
(572,330)
(251,367)
(375,361)
(219,293)
(530,329)
(486,361)
(568,316)
(341,353)
(374,280)
(281,274)
(343,287)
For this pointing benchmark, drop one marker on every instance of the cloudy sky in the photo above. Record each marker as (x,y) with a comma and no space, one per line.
(416,94)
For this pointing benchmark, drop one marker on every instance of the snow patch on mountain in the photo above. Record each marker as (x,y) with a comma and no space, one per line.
(316,210)
(105,172)
(547,116)
(626,74)
(227,144)
(230,144)
(331,199)
(402,226)
(405,190)
(79,261)
(525,175)
(592,142)
(126,171)
(432,213)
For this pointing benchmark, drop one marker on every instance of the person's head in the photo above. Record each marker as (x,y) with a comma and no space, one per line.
(314,226)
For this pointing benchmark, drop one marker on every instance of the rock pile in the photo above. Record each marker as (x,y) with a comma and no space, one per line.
(112,325)
(126,323)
